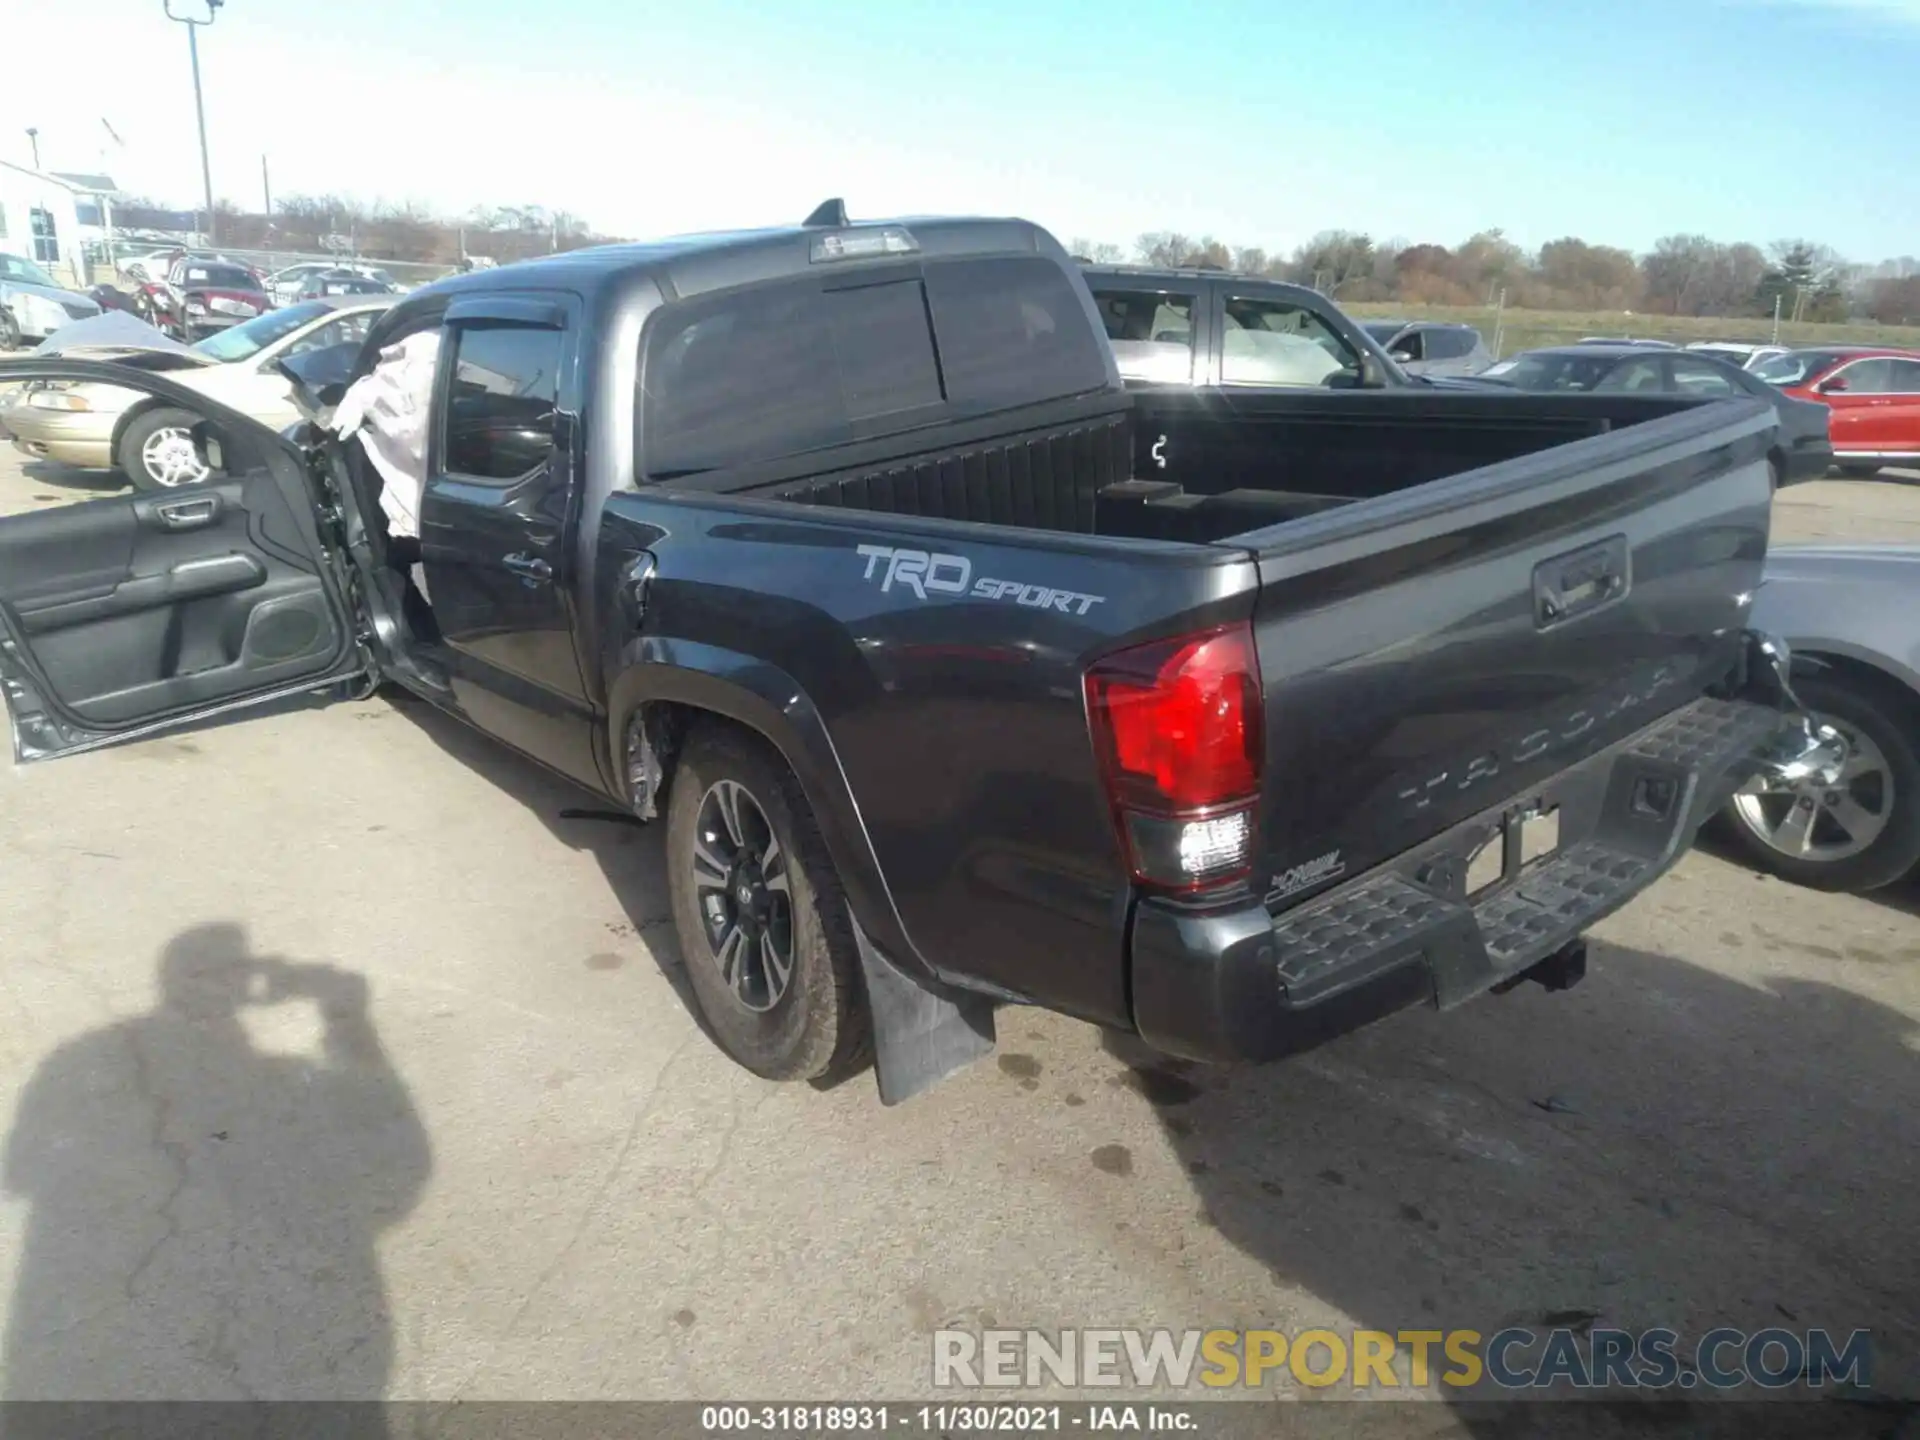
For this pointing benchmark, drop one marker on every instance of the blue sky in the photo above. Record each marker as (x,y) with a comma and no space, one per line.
(1258,123)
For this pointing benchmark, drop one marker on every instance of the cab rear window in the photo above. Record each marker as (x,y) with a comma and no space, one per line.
(783,369)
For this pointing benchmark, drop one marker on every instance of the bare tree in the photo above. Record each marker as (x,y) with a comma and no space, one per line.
(1332,260)
(1164,248)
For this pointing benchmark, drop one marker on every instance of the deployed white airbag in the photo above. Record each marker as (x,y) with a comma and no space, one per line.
(388,409)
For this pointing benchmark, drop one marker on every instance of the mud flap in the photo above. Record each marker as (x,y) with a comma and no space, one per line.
(920,1035)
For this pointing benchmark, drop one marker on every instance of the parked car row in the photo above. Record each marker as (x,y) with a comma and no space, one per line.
(33,304)
(310,281)
(1857,407)
(155,445)
(1805,451)
(1854,407)
(1872,396)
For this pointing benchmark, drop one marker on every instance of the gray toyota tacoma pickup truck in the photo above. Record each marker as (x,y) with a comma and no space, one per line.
(960,676)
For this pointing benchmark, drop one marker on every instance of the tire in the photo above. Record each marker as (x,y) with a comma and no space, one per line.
(150,437)
(1883,801)
(1857,470)
(815,1024)
(9,331)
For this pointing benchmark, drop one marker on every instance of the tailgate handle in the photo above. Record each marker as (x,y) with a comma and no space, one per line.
(1577,583)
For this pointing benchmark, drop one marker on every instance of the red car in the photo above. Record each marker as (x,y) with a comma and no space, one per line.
(1872,394)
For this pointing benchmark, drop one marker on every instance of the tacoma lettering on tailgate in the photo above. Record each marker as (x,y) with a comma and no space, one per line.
(1633,691)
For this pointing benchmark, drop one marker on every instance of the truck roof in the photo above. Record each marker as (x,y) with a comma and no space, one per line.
(1194,273)
(695,264)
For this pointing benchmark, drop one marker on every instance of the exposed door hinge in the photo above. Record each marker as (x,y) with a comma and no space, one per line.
(636,586)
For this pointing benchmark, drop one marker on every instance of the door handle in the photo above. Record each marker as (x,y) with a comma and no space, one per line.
(528,567)
(188,514)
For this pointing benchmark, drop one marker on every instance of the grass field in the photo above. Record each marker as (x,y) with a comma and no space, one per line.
(1528,329)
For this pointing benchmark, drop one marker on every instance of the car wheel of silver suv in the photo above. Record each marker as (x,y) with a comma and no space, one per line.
(1863,831)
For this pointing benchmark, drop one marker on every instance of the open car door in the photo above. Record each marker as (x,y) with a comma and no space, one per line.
(138,612)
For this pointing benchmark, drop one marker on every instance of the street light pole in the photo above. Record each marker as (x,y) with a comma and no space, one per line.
(199,107)
(33,139)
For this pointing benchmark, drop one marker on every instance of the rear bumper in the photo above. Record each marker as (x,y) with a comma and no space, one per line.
(81,438)
(1246,985)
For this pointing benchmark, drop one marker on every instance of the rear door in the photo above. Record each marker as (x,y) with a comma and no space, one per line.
(133,612)
(1896,430)
(1155,326)
(497,519)
(1858,402)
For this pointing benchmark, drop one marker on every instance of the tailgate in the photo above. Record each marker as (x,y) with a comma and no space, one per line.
(1434,653)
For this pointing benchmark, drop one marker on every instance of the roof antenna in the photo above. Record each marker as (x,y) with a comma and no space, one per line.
(832,213)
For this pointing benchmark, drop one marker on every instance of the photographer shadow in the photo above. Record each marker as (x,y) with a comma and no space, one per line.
(204,1215)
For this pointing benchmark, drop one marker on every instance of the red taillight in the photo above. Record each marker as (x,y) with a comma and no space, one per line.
(1177,726)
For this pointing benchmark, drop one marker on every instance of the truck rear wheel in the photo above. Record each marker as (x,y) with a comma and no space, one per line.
(762,920)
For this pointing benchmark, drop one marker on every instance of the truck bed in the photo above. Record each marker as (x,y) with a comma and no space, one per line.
(1204,467)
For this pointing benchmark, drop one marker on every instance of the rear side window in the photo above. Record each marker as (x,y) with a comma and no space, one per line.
(1634,375)
(1012,332)
(1414,345)
(762,374)
(1865,377)
(1151,333)
(1451,344)
(1277,342)
(506,383)
(1696,377)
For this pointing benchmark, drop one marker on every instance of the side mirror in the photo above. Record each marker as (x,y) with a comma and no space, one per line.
(1403,356)
(1372,377)
(1834,386)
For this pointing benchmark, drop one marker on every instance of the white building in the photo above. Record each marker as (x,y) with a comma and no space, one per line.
(54,219)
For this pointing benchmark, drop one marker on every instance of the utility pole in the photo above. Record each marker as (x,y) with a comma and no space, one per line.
(266,190)
(106,201)
(1777,296)
(33,139)
(199,106)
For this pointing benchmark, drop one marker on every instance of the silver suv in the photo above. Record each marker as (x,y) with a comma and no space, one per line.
(1431,347)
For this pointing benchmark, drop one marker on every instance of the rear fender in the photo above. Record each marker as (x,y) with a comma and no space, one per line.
(766,699)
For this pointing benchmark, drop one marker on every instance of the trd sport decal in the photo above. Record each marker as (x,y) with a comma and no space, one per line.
(931,573)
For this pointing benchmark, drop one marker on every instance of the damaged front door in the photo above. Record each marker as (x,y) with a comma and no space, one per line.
(139,612)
